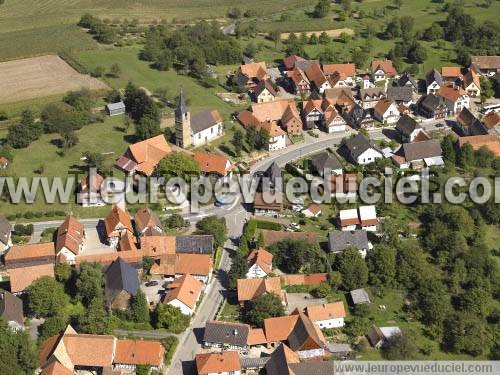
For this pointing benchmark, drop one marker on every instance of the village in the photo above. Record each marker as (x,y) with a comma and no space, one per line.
(142,262)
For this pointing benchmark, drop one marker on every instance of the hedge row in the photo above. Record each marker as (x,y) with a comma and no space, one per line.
(31,215)
(170,344)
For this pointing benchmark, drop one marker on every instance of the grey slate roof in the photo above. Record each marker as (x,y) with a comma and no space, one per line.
(273,172)
(359,144)
(115,106)
(405,78)
(325,160)
(120,276)
(404,93)
(226,333)
(305,64)
(5,229)
(421,150)
(195,244)
(11,307)
(359,296)
(434,76)
(339,240)
(182,108)
(431,102)
(372,93)
(406,125)
(249,363)
(203,120)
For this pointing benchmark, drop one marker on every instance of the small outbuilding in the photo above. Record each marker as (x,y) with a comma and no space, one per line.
(114,109)
(360,296)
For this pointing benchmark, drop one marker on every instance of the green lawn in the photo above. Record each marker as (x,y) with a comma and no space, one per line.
(107,137)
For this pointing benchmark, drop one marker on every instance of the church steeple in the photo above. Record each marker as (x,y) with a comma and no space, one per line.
(182,108)
(182,123)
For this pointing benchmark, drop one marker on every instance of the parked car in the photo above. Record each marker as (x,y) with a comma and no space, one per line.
(151,283)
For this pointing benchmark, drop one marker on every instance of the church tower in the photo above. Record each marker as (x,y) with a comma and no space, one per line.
(182,123)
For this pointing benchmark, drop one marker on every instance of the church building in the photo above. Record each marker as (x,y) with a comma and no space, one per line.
(198,129)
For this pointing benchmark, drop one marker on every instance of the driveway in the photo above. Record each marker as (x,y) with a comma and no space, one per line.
(301,301)
(153,293)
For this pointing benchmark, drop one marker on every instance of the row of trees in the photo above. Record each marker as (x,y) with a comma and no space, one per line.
(101,31)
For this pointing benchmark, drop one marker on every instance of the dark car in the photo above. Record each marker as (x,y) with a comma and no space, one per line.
(151,283)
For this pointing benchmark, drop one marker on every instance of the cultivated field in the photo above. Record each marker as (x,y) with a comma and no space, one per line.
(41,76)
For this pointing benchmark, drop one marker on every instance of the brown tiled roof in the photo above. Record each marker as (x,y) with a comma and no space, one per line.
(309,105)
(22,277)
(194,264)
(451,71)
(149,153)
(315,74)
(70,235)
(305,334)
(265,85)
(289,61)
(165,266)
(261,257)
(272,128)
(212,163)
(326,311)
(486,62)
(117,218)
(278,329)
(382,106)
(385,65)
(131,256)
(255,70)
(305,279)
(139,352)
(146,218)
(256,336)
(471,77)
(96,181)
(156,246)
(127,243)
(56,368)
(347,70)
(249,289)
(185,289)
(210,363)
(259,203)
(491,119)
(30,252)
(272,237)
(297,76)
(451,93)
(490,141)
(270,111)
(90,350)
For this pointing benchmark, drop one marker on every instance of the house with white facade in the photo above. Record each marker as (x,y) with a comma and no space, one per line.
(318,78)
(260,263)
(264,92)
(455,98)
(386,111)
(327,315)
(348,219)
(184,292)
(409,130)
(368,218)
(472,84)
(433,81)
(361,150)
(382,69)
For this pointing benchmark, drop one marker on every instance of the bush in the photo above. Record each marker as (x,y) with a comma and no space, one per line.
(170,344)
(263,224)
(11,217)
(3,116)
(23,230)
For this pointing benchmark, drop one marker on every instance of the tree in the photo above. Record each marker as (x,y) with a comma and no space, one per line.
(142,370)
(147,127)
(346,5)
(215,226)
(139,307)
(89,283)
(433,33)
(238,270)
(353,268)
(175,221)
(147,263)
(484,157)
(234,13)
(359,58)
(398,3)
(466,156)
(171,318)
(465,333)
(313,39)
(448,147)
(237,142)
(475,301)
(358,326)
(63,272)
(293,256)
(46,296)
(321,9)
(96,319)
(16,351)
(324,38)
(400,347)
(139,104)
(250,49)
(433,301)
(382,266)
(417,53)
(178,164)
(486,89)
(115,71)
(21,135)
(81,100)
(69,138)
(263,307)
(53,325)
(322,290)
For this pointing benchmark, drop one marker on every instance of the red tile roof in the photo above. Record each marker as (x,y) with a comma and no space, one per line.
(22,277)
(139,352)
(185,289)
(385,65)
(70,235)
(326,311)
(216,363)
(117,218)
(212,163)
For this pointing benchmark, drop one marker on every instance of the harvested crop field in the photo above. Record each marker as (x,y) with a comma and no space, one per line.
(41,76)
(335,33)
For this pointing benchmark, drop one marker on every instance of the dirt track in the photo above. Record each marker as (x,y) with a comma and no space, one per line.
(41,76)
